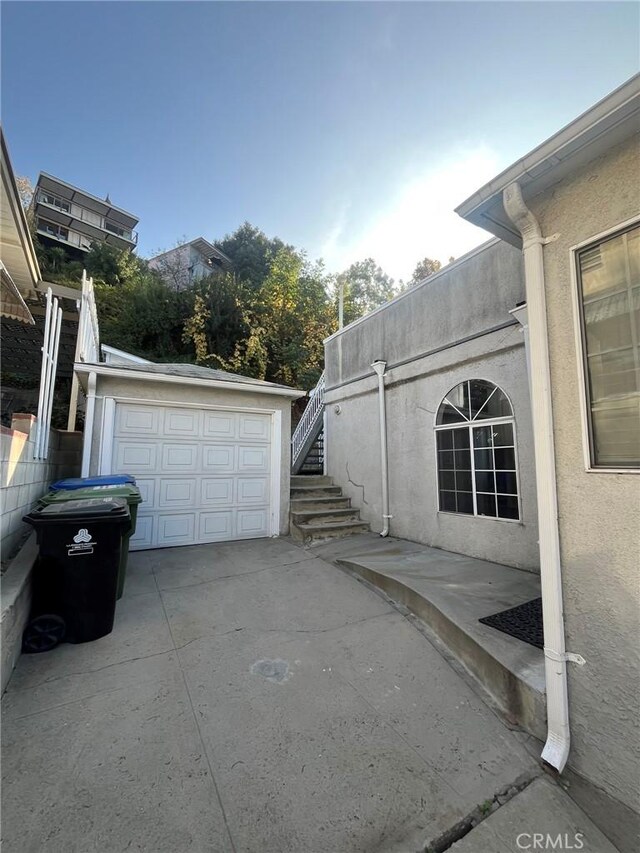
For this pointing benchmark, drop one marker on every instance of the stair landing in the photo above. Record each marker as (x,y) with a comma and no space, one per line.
(450,592)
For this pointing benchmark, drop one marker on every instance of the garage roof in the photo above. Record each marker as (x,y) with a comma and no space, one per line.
(191,374)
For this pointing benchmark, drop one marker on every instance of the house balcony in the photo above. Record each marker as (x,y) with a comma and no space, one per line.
(85,223)
(96,219)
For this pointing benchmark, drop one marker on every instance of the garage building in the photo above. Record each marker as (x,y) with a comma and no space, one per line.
(210,450)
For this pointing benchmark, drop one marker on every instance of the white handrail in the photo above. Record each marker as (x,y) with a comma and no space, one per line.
(309,419)
(87,341)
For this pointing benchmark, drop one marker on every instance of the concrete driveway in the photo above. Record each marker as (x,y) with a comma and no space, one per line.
(250,698)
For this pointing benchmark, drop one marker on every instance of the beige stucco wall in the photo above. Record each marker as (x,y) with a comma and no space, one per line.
(413,394)
(599,512)
(169,392)
(437,335)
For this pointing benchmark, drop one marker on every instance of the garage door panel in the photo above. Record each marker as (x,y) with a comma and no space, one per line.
(219,457)
(134,457)
(179,457)
(216,526)
(218,490)
(182,422)
(147,491)
(253,490)
(252,522)
(178,493)
(253,458)
(143,537)
(255,427)
(223,425)
(139,420)
(176,528)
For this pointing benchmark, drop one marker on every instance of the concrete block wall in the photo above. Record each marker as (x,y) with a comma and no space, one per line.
(24,479)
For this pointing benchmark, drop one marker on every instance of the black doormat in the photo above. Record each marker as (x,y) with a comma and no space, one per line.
(523,622)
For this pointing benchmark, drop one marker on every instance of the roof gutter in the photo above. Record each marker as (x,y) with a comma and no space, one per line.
(556,749)
(123,373)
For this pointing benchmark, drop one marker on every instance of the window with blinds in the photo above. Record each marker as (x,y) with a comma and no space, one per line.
(609,294)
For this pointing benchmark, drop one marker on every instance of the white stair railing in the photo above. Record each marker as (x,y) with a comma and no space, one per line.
(87,342)
(52,327)
(309,422)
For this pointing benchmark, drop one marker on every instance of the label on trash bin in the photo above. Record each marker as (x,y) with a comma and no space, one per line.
(82,544)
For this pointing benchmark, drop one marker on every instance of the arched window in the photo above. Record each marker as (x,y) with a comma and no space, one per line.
(475,442)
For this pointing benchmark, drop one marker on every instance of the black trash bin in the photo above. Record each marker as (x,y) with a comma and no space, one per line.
(75,580)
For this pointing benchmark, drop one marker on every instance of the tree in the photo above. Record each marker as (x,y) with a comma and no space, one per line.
(366,287)
(274,332)
(424,269)
(25,191)
(218,320)
(251,252)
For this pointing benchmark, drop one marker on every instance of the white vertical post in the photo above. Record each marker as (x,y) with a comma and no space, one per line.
(53,369)
(73,402)
(43,374)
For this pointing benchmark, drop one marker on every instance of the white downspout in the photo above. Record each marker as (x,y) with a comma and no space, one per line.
(556,749)
(380,367)
(88,424)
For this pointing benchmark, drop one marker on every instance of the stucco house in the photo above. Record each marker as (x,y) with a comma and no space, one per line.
(190,262)
(512,386)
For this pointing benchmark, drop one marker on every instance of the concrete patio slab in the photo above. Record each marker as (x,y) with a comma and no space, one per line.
(193,565)
(141,631)
(283,706)
(451,592)
(121,770)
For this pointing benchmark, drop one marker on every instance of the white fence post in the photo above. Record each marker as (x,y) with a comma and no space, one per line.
(87,342)
(52,328)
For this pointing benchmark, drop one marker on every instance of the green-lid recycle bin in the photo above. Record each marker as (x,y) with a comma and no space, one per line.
(75,579)
(128,491)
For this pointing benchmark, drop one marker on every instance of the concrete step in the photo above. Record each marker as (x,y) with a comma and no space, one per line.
(310,480)
(301,504)
(315,491)
(314,531)
(324,515)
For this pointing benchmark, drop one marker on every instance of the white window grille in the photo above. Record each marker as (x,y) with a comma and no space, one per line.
(53,324)
(476,452)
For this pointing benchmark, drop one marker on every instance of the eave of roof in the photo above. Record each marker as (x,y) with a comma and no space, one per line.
(609,122)
(13,305)
(154,373)
(96,199)
(18,249)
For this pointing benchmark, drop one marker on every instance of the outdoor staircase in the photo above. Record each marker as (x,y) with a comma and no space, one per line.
(314,460)
(319,511)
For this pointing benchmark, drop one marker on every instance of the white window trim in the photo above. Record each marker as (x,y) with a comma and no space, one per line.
(107,440)
(509,419)
(585,415)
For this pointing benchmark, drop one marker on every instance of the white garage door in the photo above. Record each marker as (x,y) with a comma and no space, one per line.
(204,474)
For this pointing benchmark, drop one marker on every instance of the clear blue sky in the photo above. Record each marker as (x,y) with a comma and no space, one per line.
(347,129)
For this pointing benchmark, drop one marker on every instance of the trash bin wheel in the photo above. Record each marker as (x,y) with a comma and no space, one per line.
(43,633)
